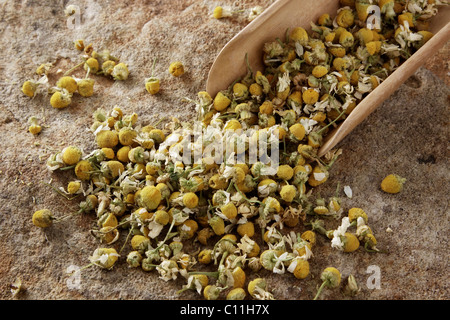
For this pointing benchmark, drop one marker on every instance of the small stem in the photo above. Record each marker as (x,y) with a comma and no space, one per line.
(87,72)
(73,69)
(59,191)
(153,67)
(126,240)
(67,216)
(182,290)
(67,168)
(159,121)
(320,289)
(214,274)
(317,227)
(166,237)
(230,186)
(245,198)
(320,131)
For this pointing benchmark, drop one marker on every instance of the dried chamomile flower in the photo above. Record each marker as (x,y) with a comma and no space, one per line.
(149,197)
(318,176)
(112,168)
(74,187)
(68,83)
(352,288)
(288,193)
(221,102)
(43,69)
(86,87)
(309,236)
(220,12)
(188,229)
(299,268)
(152,84)
(71,155)
(212,292)
(140,243)
(345,18)
(92,65)
(79,44)
(34,127)
(107,139)
(257,288)
(120,72)
(205,256)
(108,234)
(190,200)
(137,155)
(355,213)
(255,12)
(392,183)
(134,259)
(43,218)
(331,278)
(104,258)
(236,294)
(362,11)
(247,229)
(325,20)
(29,88)
(351,242)
(217,225)
(108,67)
(61,99)
(229,210)
(195,282)
(176,69)
(83,170)
(299,35)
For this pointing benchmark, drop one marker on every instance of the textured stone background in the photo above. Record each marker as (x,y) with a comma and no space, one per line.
(407,135)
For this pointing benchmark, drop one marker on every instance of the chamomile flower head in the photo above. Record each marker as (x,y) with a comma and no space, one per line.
(68,83)
(86,87)
(107,139)
(104,258)
(149,197)
(392,183)
(34,126)
(120,72)
(152,85)
(61,99)
(29,88)
(71,155)
(108,67)
(92,65)
(255,12)
(176,69)
(43,218)
(220,12)
(83,170)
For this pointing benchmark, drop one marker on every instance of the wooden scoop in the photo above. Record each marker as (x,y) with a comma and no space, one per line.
(282,15)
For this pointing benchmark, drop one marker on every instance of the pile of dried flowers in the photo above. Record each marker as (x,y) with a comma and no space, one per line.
(213,222)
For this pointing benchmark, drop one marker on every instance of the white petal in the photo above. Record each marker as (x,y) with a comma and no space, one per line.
(348,191)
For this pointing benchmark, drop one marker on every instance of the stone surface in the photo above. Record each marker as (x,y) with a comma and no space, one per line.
(406,135)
